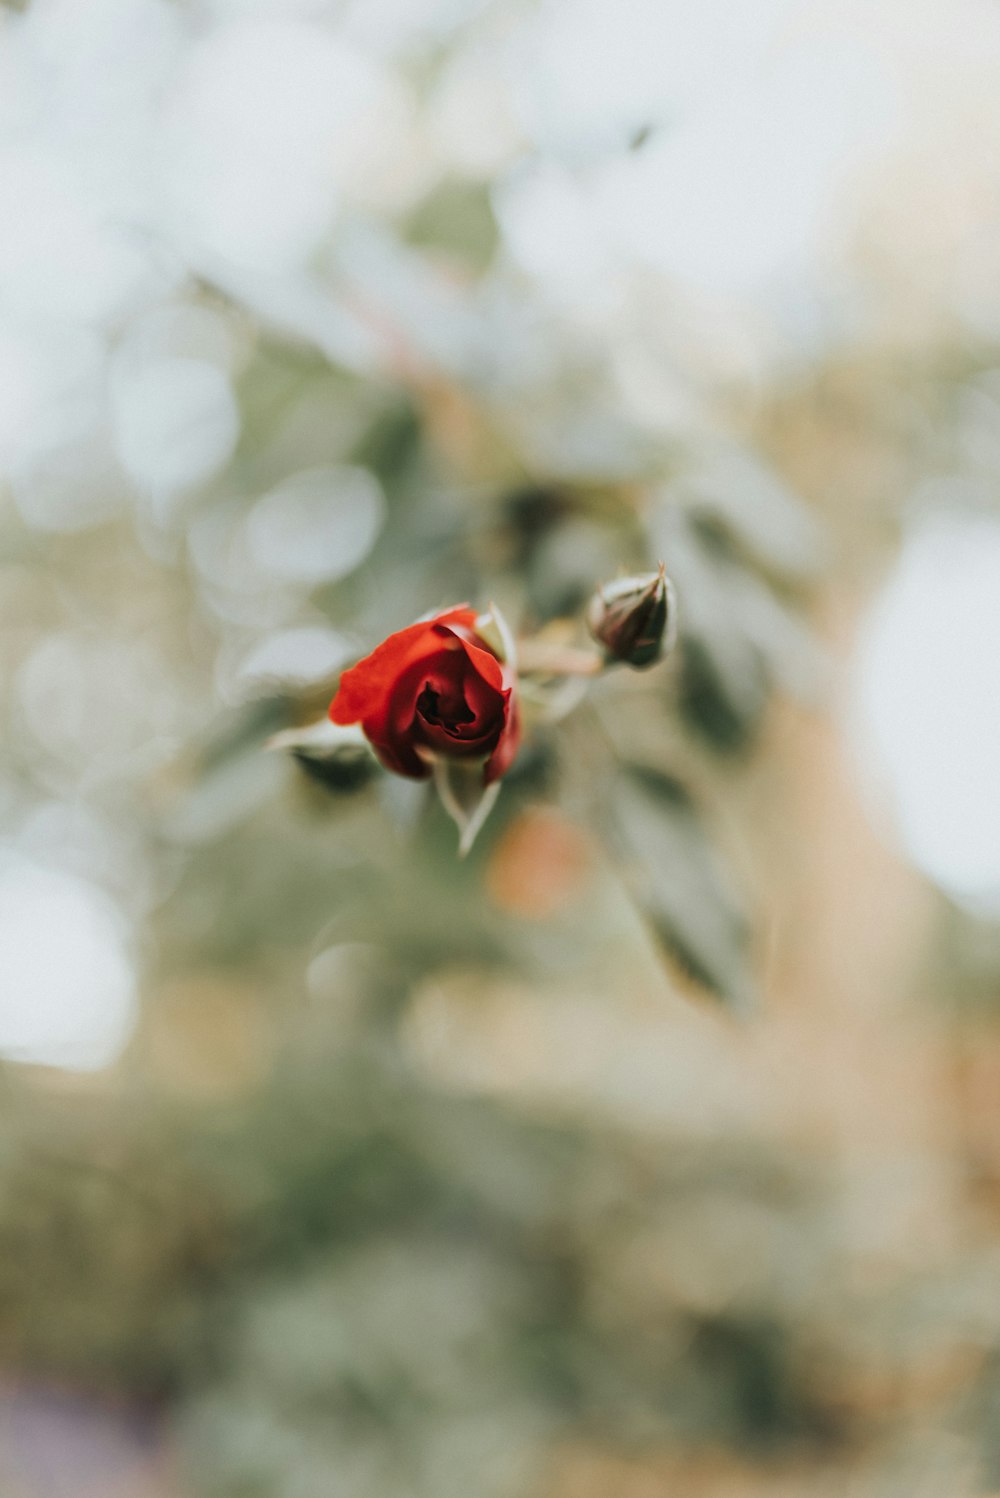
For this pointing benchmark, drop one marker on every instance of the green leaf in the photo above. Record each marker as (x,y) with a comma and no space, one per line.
(736,501)
(456,220)
(738,641)
(679,883)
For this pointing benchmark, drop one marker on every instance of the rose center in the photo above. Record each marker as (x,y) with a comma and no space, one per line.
(448,711)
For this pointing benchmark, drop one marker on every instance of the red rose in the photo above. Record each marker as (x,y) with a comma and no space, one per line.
(434,689)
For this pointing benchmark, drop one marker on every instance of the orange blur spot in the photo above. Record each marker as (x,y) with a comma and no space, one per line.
(539,866)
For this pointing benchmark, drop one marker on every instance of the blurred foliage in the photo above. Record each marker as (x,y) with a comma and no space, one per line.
(405,1176)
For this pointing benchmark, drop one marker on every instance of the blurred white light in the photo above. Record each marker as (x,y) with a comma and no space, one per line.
(551,228)
(233,584)
(588,74)
(925,715)
(391,25)
(261,120)
(75,485)
(218,335)
(51,390)
(751,184)
(295,655)
(20,389)
(108,851)
(95,703)
(317,525)
(471,119)
(67,988)
(175,420)
(99,66)
(61,255)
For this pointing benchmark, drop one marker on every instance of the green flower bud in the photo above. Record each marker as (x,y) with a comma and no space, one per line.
(635,618)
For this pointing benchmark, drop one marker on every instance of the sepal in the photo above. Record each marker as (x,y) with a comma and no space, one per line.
(464,797)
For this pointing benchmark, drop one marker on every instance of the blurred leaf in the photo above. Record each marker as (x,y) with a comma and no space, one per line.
(231,793)
(391,443)
(738,502)
(678,882)
(722,692)
(738,638)
(528,515)
(566,563)
(456,219)
(986,1418)
(340,771)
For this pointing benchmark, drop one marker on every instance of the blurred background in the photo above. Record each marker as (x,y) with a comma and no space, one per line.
(654,1150)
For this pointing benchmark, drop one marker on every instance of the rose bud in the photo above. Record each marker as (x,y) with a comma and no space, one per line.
(439,690)
(634,618)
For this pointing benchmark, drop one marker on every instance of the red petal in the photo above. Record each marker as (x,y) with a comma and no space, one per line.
(389,727)
(486,664)
(508,744)
(381,692)
(364,688)
(393,719)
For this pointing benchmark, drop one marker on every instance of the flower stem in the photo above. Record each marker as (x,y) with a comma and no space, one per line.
(538,658)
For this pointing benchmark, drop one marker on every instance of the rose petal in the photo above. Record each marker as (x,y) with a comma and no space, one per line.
(486,665)
(364,688)
(508,744)
(485,701)
(390,727)
(443,701)
(471,709)
(458,746)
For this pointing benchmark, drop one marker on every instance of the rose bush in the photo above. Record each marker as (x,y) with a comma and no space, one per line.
(436,689)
